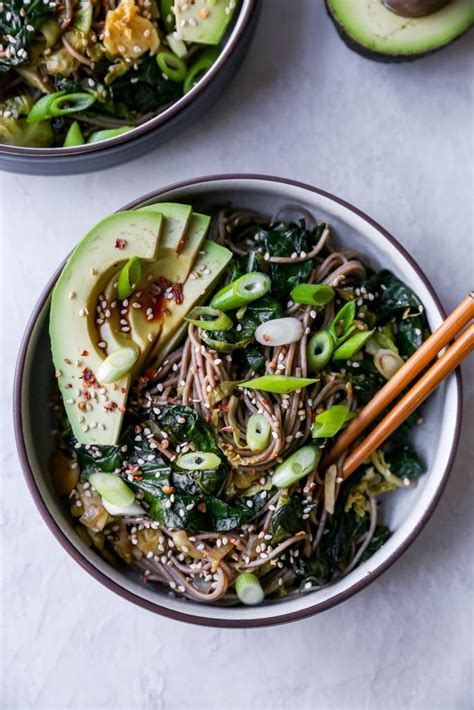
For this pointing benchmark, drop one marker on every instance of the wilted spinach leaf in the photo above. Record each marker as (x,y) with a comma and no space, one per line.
(381,535)
(260,311)
(21,21)
(141,90)
(183,424)
(410,334)
(281,239)
(391,296)
(287,518)
(405,463)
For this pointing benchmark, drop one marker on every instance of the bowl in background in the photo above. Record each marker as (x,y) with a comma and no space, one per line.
(406,511)
(162,127)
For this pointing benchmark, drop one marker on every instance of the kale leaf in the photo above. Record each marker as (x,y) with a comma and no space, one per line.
(21,21)
(381,535)
(405,463)
(260,311)
(280,239)
(141,91)
(287,518)
(183,424)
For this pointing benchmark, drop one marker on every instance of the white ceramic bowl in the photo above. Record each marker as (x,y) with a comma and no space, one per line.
(406,511)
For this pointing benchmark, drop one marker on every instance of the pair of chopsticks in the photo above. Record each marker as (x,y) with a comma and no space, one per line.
(444,366)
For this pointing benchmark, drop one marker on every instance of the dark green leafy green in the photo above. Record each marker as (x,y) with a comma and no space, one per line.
(183,424)
(260,311)
(391,296)
(254,358)
(280,239)
(381,535)
(286,519)
(410,334)
(141,90)
(405,463)
(21,22)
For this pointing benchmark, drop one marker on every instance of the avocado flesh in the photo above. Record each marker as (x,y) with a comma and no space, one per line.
(176,220)
(145,331)
(95,411)
(202,21)
(207,269)
(369,28)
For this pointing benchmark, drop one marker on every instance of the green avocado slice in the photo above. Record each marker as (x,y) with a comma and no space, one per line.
(371,29)
(95,411)
(207,270)
(202,21)
(144,331)
(176,220)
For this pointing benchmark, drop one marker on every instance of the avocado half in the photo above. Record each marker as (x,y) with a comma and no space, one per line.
(371,29)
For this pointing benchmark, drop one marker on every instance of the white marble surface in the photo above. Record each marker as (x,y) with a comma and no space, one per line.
(394,140)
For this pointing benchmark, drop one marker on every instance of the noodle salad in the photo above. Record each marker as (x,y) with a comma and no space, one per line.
(83,71)
(202,382)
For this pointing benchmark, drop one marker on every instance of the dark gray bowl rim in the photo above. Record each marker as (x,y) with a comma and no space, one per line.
(161,118)
(156,607)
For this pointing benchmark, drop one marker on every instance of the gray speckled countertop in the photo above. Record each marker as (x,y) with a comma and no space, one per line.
(395,141)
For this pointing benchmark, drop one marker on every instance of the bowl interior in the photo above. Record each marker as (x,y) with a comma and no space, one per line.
(404,511)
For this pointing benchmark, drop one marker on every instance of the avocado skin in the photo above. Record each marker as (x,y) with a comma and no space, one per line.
(380,56)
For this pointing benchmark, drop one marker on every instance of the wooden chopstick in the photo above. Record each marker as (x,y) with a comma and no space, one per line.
(453,324)
(414,397)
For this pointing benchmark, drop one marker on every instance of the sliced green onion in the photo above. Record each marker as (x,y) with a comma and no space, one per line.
(167,14)
(108,133)
(248,589)
(132,509)
(319,351)
(217,319)
(116,365)
(280,384)
(387,362)
(112,488)
(60,104)
(200,67)
(73,136)
(313,294)
(297,466)
(198,461)
(258,432)
(177,46)
(244,290)
(351,346)
(129,278)
(341,326)
(42,108)
(172,66)
(221,345)
(330,422)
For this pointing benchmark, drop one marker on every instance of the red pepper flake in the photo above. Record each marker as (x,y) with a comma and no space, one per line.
(180,246)
(202,507)
(224,408)
(138,429)
(88,378)
(122,409)
(82,406)
(68,386)
(168,490)
(177,291)
(110,406)
(123,390)
(266,338)
(120,243)
(164,444)
(86,395)
(85,353)
(149,373)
